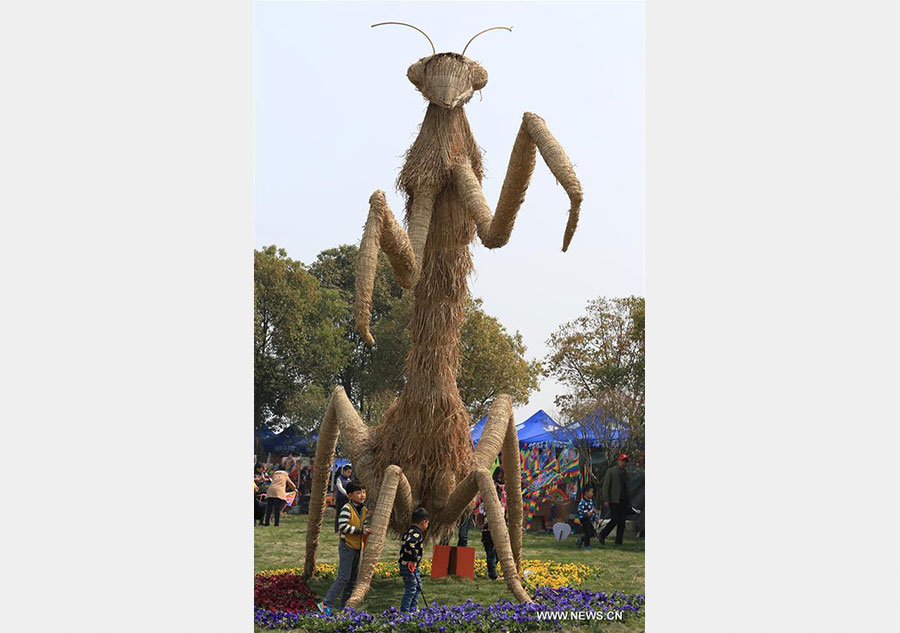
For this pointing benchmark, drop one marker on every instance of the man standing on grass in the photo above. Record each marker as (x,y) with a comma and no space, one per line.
(616,494)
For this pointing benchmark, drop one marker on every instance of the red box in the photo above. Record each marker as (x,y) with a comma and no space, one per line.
(453,561)
(464,562)
(440,561)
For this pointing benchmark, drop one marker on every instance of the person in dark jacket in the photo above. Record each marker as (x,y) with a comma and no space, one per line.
(616,494)
(411,559)
(259,508)
(586,514)
(341,480)
(465,524)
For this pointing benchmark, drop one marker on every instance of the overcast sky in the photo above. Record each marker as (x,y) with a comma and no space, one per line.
(334,113)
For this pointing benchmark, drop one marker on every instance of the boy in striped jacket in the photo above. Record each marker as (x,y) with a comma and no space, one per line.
(351,528)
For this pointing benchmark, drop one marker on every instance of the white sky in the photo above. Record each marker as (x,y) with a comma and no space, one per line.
(334,113)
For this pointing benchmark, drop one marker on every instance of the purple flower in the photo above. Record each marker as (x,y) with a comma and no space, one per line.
(469,616)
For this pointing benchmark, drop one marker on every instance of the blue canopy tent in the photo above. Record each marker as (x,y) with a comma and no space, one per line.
(478,429)
(541,428)
(266,434)
(290,440)
(611,436)
(538,428)
(601,429)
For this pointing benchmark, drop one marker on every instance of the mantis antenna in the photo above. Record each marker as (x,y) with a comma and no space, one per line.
(493,28)
(433,51)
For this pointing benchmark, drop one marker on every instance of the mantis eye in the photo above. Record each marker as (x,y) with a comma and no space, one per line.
(479,77)
(416,73)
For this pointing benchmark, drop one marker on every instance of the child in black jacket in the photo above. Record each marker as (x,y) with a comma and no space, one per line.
(411,559)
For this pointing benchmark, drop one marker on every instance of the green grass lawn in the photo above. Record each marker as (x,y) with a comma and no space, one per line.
(621,568)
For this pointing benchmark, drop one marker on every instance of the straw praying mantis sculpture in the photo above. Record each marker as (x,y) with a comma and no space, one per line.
(422,454)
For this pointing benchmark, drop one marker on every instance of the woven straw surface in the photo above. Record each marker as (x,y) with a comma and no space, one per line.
(422,454)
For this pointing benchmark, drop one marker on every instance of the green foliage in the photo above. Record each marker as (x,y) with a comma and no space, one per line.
(387,373)
(298,344)
(370,377)
(492,362)
(599,357)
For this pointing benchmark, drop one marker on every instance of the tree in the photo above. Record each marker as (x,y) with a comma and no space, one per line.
(298,347)
(368,380)
(599,357)
(492,362)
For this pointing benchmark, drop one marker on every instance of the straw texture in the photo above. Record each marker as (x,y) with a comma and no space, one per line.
(499,434)
(339,417)
(444,138)
(500,416)
(429,405)
(558,162)
(421,206)
(448,80)
(422,454)
(381,232)
(513,478)
(375,542)
(533,135)
(500,534)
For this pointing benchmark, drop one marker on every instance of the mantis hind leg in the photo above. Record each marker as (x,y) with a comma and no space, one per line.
(499,436)
(500,534)
(404,250)
(340,417)
(394,491)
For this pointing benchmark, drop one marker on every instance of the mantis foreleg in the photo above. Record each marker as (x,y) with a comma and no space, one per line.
(494,230)
(404,251)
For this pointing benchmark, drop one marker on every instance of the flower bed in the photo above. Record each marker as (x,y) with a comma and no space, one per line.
(469,617)
(283,601)
(535,573)
(282,592)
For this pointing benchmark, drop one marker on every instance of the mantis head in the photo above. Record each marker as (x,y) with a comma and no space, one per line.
(447,79)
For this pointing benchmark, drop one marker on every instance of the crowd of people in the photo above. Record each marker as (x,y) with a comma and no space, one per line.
(271,483)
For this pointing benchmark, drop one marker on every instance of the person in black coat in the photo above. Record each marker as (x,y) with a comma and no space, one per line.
(616,494)
(344,477)
(259,508)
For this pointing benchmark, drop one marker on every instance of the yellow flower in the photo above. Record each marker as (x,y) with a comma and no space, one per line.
(540,573)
